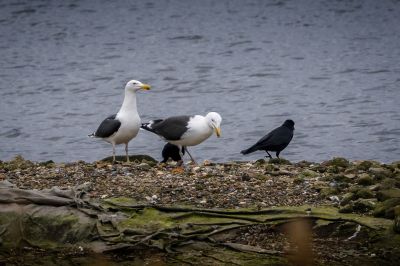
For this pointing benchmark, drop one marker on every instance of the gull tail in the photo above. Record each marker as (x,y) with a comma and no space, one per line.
(149,126)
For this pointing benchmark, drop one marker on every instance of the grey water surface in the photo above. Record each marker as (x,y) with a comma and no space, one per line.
(331,66)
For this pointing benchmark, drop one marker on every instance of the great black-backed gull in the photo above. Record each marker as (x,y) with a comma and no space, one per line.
(184,130)
(122,127)
(276,140)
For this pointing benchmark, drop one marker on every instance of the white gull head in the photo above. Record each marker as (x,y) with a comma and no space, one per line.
(214,121)
(135,85)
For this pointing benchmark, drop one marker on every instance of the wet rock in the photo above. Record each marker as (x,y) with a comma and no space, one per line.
(388,194)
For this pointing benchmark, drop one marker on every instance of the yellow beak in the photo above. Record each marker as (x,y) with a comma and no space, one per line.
(218,131)
(145,87)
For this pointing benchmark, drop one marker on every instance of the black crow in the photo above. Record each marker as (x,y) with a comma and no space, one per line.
(276,140)
(172,151)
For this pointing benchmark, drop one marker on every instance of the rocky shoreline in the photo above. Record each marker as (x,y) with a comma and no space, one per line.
(367,187)
(364,188)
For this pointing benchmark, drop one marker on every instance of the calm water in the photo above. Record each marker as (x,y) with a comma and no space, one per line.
(331,66)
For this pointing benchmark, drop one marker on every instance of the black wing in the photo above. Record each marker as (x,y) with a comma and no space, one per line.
(171,128)
(279,136)
(109,126)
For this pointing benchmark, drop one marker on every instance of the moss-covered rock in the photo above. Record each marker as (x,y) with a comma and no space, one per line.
(388,194)
(328,191)
(363,193)
(363,165)
(380,173)
(365,180)
(338,162)
(386,208)
(388,183)
(279,161)
(309,173)
(347,198)
(359,206)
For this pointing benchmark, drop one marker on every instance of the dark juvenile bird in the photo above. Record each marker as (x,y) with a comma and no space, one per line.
(172,151)
(276,140)
(124,125)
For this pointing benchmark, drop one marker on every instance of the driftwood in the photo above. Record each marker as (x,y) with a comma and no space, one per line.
(60,218)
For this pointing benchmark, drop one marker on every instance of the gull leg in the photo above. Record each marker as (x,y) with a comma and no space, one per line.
(126,150)
(189,155)
(113,152)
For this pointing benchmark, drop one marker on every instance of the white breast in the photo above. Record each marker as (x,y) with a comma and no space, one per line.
(198,131)
(130,125)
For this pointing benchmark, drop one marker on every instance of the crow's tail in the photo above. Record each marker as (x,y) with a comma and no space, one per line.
(249,150)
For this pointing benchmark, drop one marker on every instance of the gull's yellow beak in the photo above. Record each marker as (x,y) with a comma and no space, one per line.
(145,87)
(218,131)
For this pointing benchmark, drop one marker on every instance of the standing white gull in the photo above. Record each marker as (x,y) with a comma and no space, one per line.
(184,130)
(123,126)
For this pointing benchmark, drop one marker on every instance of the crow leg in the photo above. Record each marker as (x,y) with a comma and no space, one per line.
(269,155)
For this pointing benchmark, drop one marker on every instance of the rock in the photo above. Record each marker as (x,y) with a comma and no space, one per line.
(363,193)
(365,180)
(350,176)
(389,183)
(363,165)
(396,226)
(347,198)
(328,191)
(309,173)
(386,208)
(359,206)
(246,177)
(338,162)
(279,161)
(144,166)
(334,199)
(260,162)
(380,173)
(388,194)
(319,168)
